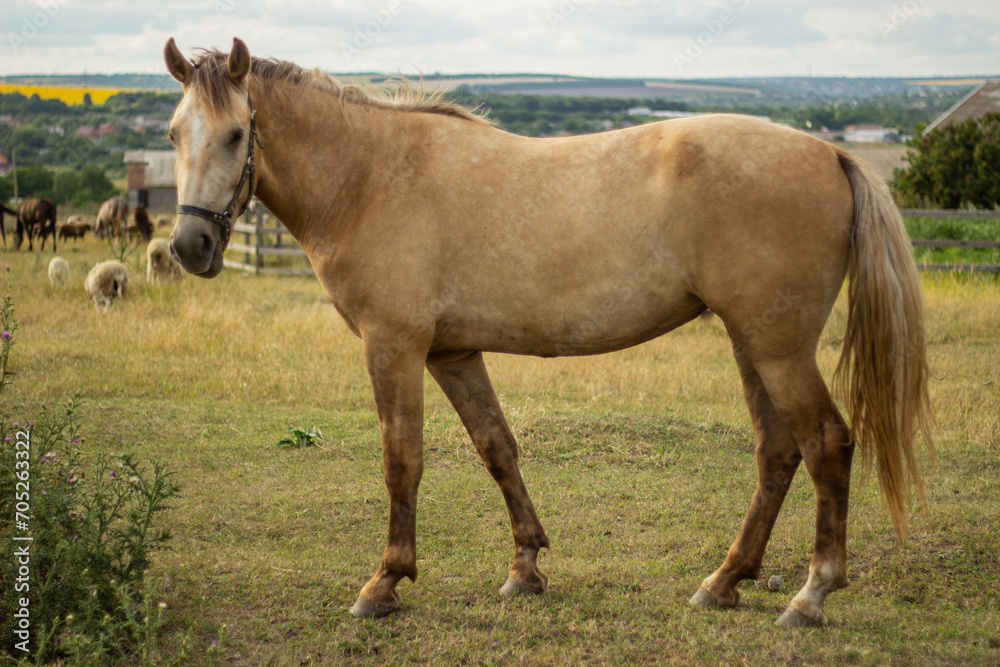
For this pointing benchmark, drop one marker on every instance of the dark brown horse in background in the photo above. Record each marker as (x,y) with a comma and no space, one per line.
(142,227)
(41,212)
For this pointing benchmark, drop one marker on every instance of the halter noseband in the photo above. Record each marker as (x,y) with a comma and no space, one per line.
(225,219)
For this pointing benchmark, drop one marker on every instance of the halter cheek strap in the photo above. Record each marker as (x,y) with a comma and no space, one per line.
(225,219)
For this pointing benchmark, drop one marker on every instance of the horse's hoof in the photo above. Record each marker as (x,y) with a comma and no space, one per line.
(515,587)
(705,600)
(368,608)
(793,618)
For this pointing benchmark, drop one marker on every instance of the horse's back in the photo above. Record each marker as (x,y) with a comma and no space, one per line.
(38,210)
(115,208)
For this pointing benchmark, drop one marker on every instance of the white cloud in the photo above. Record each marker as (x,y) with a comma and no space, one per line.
(588,37)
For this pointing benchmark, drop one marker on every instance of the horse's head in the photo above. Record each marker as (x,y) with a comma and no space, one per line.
(212,131)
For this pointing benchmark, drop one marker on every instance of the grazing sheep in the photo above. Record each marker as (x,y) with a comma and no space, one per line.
(160,264)
(106,281)
(58,271)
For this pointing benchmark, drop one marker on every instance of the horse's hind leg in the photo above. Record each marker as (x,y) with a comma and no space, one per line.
(803,402)
(468,387)
(777,459)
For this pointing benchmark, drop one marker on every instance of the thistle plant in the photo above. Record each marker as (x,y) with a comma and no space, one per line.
(93,528)
(84,529)
(8,323)
(123,246)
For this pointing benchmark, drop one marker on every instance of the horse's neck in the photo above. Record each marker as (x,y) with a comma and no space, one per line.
(316,157)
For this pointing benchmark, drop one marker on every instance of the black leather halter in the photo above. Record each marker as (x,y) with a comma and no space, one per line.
(225,219)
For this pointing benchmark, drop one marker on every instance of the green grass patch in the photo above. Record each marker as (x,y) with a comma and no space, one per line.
(954,229)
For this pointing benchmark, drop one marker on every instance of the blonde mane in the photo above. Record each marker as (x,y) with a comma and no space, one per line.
(212,82)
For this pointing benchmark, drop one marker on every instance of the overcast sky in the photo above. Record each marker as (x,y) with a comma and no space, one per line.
(627,38)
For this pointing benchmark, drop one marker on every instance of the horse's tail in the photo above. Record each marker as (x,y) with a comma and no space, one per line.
(883,370)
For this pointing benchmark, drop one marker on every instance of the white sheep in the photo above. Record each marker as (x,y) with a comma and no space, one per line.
(58,271)
(160,264)
(106,281)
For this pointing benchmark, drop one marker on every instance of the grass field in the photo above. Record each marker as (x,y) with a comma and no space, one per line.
(640,464)
(955,229)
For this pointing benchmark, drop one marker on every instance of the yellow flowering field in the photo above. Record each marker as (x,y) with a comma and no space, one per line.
(67,94)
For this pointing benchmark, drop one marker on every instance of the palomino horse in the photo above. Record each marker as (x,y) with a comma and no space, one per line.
(439,237)
(41,212)
(112,218)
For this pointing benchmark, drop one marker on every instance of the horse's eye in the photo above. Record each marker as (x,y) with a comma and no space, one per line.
(170,136)
(236,138)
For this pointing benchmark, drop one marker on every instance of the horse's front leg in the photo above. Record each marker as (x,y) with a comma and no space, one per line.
(396,372)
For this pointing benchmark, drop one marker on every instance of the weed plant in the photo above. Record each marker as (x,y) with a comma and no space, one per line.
(77,538)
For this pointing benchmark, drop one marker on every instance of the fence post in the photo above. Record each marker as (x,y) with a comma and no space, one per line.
(246,239)
(259,261)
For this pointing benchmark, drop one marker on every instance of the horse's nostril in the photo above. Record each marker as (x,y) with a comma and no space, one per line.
(207,247)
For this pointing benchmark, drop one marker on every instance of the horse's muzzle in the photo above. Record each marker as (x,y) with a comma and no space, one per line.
(196,249)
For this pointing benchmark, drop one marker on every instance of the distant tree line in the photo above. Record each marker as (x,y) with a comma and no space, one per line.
(539,115)
(78,188)
(836,117)
(545,115)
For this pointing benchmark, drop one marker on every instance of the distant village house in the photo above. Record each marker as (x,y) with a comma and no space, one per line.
(95,132)
(151,179)
(870,134)
(982,100)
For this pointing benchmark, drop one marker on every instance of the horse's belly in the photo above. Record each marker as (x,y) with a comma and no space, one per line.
(552,320)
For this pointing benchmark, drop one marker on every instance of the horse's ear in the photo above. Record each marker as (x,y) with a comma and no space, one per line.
(239,61)
(179,67)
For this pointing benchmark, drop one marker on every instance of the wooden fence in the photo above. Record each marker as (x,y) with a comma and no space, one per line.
(260,242)
(968,215)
